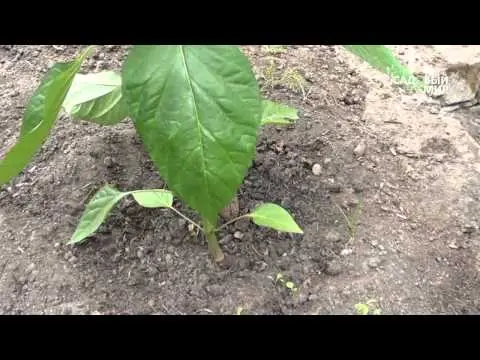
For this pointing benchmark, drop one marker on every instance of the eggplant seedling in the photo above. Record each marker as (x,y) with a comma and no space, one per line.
(198,111)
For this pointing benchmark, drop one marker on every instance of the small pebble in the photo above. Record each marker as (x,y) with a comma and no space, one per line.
(108,162)
(30,268)
(346,252)
(238,235)
(360,149)
(453,245)
(317,169)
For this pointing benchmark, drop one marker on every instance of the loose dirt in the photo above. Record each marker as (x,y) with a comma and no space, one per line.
(389,210)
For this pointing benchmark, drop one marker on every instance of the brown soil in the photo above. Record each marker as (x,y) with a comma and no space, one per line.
(403,172)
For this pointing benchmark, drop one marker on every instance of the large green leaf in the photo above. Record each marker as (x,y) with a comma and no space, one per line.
(275,113)
(39,117)
(275,217)
(197,110)
(97,98)
(383,59)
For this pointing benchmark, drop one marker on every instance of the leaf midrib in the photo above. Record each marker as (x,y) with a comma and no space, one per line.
(199,125)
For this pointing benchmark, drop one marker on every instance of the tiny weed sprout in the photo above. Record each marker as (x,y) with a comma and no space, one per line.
(275,49)
(198,111)
(239,310)
(371,307)
(290,285)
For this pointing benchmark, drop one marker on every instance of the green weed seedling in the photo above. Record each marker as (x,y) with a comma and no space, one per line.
(371,307)
(352,220)
(239,310)
(198,111)
(275,49)
(295,82)
(287,284)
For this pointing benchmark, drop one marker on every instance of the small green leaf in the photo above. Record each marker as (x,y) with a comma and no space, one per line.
(382,58)
(290,285)
(154,198)
(97,98)
(96,212)
(362,309)
(39,117)
(275,217)
(275,113)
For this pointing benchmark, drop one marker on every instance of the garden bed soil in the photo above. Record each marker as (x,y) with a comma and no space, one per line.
(390,214)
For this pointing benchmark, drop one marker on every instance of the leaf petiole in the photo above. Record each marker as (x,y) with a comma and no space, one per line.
(187,218)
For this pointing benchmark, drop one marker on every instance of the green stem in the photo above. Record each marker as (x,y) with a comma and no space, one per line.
(213,245)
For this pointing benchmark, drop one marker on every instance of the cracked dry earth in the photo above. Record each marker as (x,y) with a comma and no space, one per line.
(385,184)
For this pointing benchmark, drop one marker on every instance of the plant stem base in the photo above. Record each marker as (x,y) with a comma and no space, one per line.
(217,253)
(213,245)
